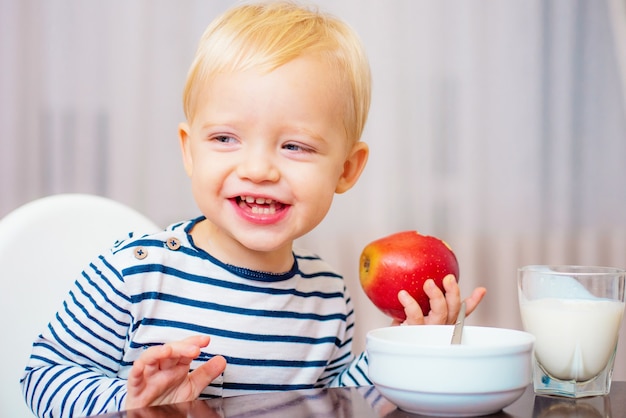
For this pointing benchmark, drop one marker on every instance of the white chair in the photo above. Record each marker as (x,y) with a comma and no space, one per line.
(44,246)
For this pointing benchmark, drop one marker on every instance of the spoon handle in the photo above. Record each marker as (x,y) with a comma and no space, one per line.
(457,334)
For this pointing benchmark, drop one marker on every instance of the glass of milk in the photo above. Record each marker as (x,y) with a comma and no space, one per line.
(575,313)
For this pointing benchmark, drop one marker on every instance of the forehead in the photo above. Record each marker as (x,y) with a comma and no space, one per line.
(301,95)
(305,86)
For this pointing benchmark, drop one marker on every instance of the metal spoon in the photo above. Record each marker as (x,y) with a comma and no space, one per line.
(457,334)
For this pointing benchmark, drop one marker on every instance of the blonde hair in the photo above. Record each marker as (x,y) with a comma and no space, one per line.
(264,36)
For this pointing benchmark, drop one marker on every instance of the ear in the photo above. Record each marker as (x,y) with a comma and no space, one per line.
(185,147)
(353,167)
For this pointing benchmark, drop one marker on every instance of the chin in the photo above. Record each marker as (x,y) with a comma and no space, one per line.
(267,248)
(269,242)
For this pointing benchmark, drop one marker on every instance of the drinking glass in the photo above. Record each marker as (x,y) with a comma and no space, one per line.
(575,313)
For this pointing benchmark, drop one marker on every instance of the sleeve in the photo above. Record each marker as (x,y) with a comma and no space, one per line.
(74,365)
(355,374)
(345,368)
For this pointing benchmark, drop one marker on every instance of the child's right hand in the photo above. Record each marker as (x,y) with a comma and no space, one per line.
(445,305)
(161,374)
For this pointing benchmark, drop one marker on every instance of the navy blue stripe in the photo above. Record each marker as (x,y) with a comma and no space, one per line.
(76,352)
(268,362)
(348,374)
(27,388)
(106,280)
(350,326)
(320,274)
(61,388)
(323,382)
(363,374)
(121,400)
(339,363)
(90,331)
(39,381)
(40,358)
(82,307)
(103,407)
(88,402)
(233,309)
(191,224)
(97,306)
(159,268)
(50,348)
(47,386)
(346,342)
(308,257)
(112,396)
(264,387)
(94,381)
(240,361)
(238,335)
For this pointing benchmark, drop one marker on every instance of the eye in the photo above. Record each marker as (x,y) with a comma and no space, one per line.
(297,147)
(224,139)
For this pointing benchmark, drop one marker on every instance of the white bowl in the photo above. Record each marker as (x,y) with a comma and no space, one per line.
(416,368)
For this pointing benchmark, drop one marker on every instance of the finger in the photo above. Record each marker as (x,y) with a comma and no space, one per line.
(135,377)
(153,354)
(438,305)
(453,298)
(396,322)
(183,351)
(474,299)
(173,362)
(197,340)
(190,346)
(166,356)
(414,315)
(206,373)
(139,391)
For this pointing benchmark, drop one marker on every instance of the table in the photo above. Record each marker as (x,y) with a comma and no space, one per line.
(366,402)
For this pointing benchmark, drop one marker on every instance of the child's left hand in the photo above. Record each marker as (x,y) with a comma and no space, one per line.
(161,374)
(444,306)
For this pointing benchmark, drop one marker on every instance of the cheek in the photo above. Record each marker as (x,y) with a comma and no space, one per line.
(321,182)
(318,196)
(206,177)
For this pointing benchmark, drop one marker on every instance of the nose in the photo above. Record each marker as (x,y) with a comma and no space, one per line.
(258,165)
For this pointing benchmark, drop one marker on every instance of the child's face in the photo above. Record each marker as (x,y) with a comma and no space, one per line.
(266,152)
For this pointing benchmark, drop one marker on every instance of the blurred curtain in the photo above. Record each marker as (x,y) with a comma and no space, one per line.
(497,126)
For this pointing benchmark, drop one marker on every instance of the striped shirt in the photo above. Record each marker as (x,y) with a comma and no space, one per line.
(277,331)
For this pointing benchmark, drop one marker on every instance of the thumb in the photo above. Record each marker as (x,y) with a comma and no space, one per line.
(206,373)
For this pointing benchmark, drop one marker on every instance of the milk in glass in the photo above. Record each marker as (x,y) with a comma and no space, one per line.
(575,338)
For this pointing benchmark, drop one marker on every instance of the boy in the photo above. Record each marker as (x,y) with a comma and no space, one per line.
(275,102)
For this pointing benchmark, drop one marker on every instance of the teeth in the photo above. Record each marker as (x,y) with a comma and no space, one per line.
(258,200)
(263,210)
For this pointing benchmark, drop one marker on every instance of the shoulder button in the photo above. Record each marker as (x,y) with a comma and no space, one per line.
(140,253)
(173,243)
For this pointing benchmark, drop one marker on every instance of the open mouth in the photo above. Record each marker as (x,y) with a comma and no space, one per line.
(259,205)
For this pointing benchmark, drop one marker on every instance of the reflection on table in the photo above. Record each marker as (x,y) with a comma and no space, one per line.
(366,402)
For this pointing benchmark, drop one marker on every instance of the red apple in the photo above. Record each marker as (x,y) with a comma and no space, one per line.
(404,260)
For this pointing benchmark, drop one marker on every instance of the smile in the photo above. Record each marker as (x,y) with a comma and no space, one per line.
(259,205)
